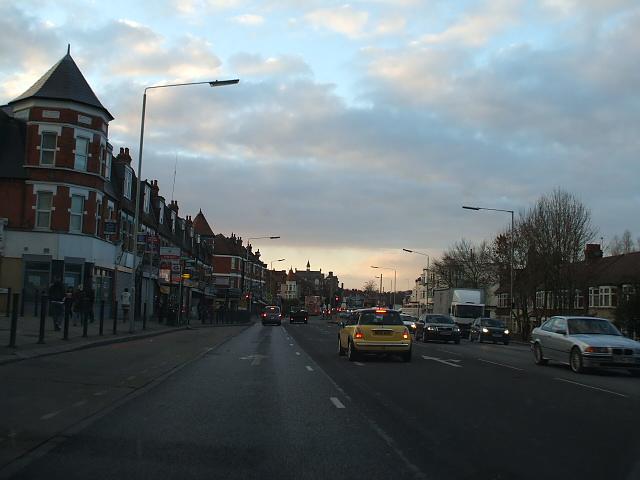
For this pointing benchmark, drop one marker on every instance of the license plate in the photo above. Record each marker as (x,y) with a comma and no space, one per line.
(445,332)
(382,332)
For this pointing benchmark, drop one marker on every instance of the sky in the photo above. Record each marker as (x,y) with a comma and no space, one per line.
(358,129)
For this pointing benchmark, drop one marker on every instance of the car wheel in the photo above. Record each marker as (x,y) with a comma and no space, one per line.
(479,338)
(340,349)
(470,337)
(538,356)
(424,337)
(575,360)
(457,341)
(406,357)
(352,354)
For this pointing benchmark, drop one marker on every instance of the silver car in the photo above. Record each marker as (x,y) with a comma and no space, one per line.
(584,342)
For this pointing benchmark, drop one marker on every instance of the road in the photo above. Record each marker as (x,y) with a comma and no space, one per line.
(278,402)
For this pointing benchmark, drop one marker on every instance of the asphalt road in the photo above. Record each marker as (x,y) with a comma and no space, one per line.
(278,402)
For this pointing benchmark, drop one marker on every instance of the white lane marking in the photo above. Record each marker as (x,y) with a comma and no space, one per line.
(291,344)
(360,364)
(255,359)
(80,403)
(336,402)
(309,368)
(97,394)
(446,362)
(50,415)
(144,371)
(500,364)
(591,387)
(297,353)
(450,351)
(132,377)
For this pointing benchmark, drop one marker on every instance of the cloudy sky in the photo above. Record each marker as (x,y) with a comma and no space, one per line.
(360,128)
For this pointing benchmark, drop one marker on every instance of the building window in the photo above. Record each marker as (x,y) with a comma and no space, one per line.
(503,300)
(540,299)
(107,166)
(48,148)
(608,296)
(594,297)
(147,199)
(77,211)
(82,153)
(98,216)
(44,202)
(128,178)
(578,301)
(161,217)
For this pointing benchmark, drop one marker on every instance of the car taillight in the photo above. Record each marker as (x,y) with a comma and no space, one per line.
(358,334)
(264,314)
(405,334)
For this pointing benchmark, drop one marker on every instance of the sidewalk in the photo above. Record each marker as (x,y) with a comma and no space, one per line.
(29,327)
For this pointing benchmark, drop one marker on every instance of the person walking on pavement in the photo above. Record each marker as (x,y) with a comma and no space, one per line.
(68,305)
(56,298)
(78,300)
(125,301)
(90,300)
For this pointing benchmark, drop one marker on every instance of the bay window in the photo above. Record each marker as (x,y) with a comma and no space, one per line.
(44,202)
(76,213)
(82,153)
(48,148)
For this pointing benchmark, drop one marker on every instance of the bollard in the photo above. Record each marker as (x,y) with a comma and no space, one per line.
(9,302)
(22,304)
(114,314)
(35,303)
(101,317)
(66,324)
(144,316)
(43,317)
(14,320)
(85,324)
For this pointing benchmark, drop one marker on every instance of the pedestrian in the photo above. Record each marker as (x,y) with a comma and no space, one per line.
(125,301)
(78,300)
(68,305)
(90,297)
(56,299)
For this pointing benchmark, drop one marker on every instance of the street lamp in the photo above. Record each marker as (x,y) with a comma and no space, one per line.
(395,275)
(244,277)
(426,278)
(136,221)
(466,207)
(279,260)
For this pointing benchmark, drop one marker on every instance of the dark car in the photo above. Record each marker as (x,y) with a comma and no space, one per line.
(437,327)
(299,316)
(490,329)
(271,315)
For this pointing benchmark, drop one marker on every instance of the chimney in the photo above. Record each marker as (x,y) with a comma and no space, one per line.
(155,190)
(174,206)
(592,252)
(123,156)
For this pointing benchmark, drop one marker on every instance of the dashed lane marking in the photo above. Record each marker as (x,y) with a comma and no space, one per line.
(591,387)
(501,364)
(360,364)
(100,393)
(298,353)
(445,362)
(309,368)
(132,377)
(80,403)
(291,344)
(50,415)
(336,402)
(450,351)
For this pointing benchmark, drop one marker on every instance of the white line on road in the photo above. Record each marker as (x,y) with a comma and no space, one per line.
(309,368)
(297,353)
(450,351)
(336,402)
(446,362)
(50,415)
(501,364)
(97,394)
(132,377)
(591,387)
(360,364)
(291,344)
(80,403)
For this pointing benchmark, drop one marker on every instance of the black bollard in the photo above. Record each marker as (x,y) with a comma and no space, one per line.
(114,314)
(101,317)
(85,324)
(43,316)
(66,324)
(144,316)
(14,319)
(9,301)
(35,303)
(22,304)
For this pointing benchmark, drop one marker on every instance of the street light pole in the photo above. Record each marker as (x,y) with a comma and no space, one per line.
(246,264)
(395,277)
(426,278)
(280,260)
(136,221)
(511,302)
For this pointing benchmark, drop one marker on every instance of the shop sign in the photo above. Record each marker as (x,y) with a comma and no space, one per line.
(170,253)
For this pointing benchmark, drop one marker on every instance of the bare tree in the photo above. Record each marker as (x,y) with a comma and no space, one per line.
(465,265)
(369,288)
(624,244)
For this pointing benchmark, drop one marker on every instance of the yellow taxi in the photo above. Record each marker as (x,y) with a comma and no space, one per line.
(374,330)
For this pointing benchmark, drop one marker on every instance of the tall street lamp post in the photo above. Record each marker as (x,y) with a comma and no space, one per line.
(279,260)
(271,277)
(426,278)
(466,207)
(136,221)
(246,264)
(395,276)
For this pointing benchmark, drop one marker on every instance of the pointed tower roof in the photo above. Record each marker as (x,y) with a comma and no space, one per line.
(201,226)
(64,81)
(308,265)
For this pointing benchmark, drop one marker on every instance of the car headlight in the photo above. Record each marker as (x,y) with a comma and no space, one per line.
(506,331)
(597,349)
(431,329)
(456,328)
(413,325)
(485,330)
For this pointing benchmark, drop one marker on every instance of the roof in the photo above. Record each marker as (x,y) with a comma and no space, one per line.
(201,226)
(12,146)
(63,81)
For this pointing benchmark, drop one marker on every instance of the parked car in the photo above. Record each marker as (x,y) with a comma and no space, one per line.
(584,342)
(409,322)
(490,329)
(271,315)
(433,326)
(374,330)
(299,315)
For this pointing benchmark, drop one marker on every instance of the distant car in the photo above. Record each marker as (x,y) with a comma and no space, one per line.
(374,330)
(409,322)
(434,326)
(299,316)
(490,329)
(584,342)
(271,315)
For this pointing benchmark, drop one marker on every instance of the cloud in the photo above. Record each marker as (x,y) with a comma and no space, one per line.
(246,64)
(249,20)
(344,20)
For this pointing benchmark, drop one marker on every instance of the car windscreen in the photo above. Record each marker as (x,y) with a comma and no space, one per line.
(380,318)
(591,326)
(492,322)
(439,319)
